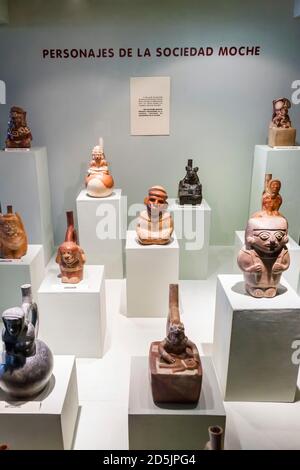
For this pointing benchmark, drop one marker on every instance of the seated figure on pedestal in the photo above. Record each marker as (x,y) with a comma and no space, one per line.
(281,132)
(155,225)
(190,189)
(13,238)
(70,256)
(18,134)
(98,181)
(175,365)
(271,198)
(265,255)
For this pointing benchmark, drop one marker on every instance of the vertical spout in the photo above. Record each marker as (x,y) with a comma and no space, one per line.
(216,437)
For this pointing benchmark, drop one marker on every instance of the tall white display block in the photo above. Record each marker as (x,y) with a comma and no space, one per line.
(292,275)
(173,427)
(73,316)
(284,164)
(14,273)
(255,343)
(24,183)
(192,228)
(48,421)
(150,271)
(102,229)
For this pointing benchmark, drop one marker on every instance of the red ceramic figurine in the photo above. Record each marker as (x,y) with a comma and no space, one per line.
(70,256)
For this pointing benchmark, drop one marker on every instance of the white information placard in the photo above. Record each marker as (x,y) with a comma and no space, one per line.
(150,105)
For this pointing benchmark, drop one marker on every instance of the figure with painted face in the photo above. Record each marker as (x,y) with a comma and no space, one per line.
(265,255)
(70,256)
(281,116)
(271,198)
(281,131)
(155,225)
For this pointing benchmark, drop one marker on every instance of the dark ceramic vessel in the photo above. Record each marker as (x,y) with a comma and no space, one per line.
(27,362)
(190,188)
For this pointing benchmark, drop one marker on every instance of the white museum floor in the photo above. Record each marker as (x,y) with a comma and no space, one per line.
(104,383)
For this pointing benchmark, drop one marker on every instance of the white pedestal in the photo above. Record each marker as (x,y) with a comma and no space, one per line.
(253,343)
(150,271)
(292,275)
(14,273)
(102,223)
(24,183)
(73,316)
(171,427)
(192,228)
(283,164)
(48,422)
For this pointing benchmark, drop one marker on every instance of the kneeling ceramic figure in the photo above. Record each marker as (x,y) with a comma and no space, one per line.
(155,225)
(70,256)
(13,238)
(265,255)
(175,365)
(98,181)
(28,362)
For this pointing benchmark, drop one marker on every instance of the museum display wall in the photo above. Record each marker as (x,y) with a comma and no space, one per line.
(202,334)
(219,105)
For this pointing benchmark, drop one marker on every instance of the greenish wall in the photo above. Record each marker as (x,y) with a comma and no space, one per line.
(220,107)
(3,12)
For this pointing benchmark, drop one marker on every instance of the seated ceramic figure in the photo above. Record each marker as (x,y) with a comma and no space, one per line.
(18,134)
(155,225)
(271,198)
(190,189)
(281,132)
(28,362)
(281,118)
(98,181)
(175,364)
(265,255)
(13,238)
(70,256)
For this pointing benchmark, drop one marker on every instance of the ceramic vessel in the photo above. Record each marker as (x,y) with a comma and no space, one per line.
(216,437)
(18,133)
(174,363)
(98,181)
(13,238)
(190,188)
(281,131)
(265,256)
(155,225)
(70,256)
(27,362)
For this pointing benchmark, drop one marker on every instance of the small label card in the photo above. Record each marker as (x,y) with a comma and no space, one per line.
(11,261)
(150,105)
(17,150)
(291,147)
(82,286)
(20,407)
